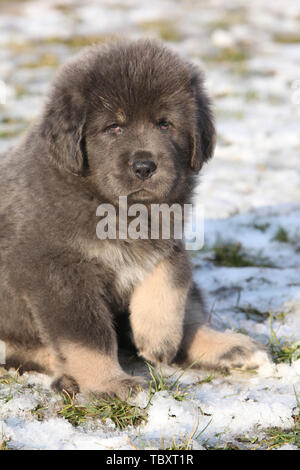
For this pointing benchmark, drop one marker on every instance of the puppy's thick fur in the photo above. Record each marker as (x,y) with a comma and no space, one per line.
(65,295)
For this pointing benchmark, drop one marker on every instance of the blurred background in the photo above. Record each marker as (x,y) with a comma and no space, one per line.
(250,52)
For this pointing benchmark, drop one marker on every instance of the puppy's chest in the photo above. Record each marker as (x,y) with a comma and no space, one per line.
(129,264)
(129,270)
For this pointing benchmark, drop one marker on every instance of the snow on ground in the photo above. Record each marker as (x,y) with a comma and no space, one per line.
(251,196)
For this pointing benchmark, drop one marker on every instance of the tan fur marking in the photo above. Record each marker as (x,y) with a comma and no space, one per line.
(47,358)
(127,269)
(42,356)
(157,312)
(95,371)
(223,350)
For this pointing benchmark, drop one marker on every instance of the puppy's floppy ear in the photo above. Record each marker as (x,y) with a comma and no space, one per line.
(203,136)
(62,128)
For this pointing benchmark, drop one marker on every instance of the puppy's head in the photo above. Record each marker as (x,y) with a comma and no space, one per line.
(132,119)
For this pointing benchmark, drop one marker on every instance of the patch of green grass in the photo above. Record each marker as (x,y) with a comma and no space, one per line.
(38,412)
(181,443)
(281,235)
(276,437)
(251,96)
(253,313)
(227,19)
(10,133)
(7,378)
(287,38)
(296,415)
(4,443)
(78,41)
(20,90)
(165,29)
(9,120)
(232,255)
(287,352)
(169,383)
(229,54)
(72,42)
(233,113)
(207,379)
(225,446)
(45,60)
(121,413)
(279,316)
(7,398)
(65,9)
(262,227)
(233,55)
(72,412)
(12,126)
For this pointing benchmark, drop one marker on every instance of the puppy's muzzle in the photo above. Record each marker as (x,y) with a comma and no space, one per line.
(143,169)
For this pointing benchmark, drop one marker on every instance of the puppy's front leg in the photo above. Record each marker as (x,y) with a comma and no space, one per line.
(205,347)
(157,310)
(74,319)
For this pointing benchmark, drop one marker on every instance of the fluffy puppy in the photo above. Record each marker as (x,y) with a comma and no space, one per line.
(128,119)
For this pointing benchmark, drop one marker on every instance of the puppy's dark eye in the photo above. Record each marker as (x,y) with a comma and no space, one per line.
(164,125)
(113,129)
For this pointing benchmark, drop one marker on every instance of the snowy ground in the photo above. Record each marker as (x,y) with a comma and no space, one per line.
(251,194)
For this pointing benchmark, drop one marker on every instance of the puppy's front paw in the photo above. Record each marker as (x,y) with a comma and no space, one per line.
(119,387)
(122,388)
(211,349)
(65,383)
(157,352)
(242,352)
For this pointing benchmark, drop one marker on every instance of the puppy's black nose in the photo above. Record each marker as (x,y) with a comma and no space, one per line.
(143,169)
